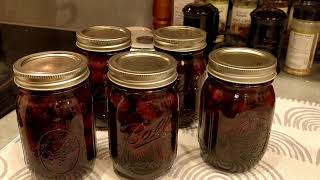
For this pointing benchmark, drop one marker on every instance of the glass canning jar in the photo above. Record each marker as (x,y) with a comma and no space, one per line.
(186,45)
(237,106)
(143,109)
(54,112)
(98,44)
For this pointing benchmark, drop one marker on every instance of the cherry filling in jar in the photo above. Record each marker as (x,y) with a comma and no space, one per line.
(143,109)
(54,113)
(237,106)
(186,45)
(98,44)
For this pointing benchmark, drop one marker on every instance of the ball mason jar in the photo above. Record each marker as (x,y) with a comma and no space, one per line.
(237,107)
(186,45)
(143,108)
(98,44)
(54,113)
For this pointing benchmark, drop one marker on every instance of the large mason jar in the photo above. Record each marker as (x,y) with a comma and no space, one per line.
(186,45)
(143,107)
(237,106)
(54,113)
(98,44)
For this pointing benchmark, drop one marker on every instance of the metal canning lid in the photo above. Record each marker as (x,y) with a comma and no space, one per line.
(180,38)
(142,69)
(242,65)
(104,38)
(52,70)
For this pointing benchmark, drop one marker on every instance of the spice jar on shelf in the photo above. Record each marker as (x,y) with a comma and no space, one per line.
(240,16)
(143,104)
(303,2)
(99,43)
(303,40)
(186,45)
(237,106)
(54,113)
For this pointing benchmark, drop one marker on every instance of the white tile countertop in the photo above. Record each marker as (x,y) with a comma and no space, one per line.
(285,85)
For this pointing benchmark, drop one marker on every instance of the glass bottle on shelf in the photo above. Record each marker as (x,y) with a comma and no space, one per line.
(177,11)
(162,13)
(280,4)
(222,6)
(292,4)
(240,18)
(267,26)
(260,3)
(201,14)
(303,39)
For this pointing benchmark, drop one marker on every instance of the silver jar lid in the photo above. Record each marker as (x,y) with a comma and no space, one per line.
(242,65)
(104,38)
(180,38)
(142,70)
(52,70)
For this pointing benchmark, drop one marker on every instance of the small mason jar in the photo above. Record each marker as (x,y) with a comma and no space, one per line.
(54,112)
(98,44)
(237,106)
(143,109)
(186,45)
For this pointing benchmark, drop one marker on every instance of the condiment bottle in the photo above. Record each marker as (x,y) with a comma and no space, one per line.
(223,6)
(54,113)
(143,107)
(177,11)
(303,40)
(280,4)
(237,108)
(268,25)
(203,15)
(240,19)
(162,13)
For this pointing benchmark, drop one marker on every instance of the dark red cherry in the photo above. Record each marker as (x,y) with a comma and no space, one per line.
(148,111)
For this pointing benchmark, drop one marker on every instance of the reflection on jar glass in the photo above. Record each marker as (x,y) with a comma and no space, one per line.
(54,111)
(143,109)
(237,108)
(186,45)
(98,44)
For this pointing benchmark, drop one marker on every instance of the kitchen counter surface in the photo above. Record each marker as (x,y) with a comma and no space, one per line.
(285,85)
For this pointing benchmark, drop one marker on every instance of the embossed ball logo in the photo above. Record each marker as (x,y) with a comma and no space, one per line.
(59,151)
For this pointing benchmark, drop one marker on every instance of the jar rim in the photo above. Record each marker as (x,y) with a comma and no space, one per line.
(50,70)
(242,65)
(180,38)
(103,38)
(142,69)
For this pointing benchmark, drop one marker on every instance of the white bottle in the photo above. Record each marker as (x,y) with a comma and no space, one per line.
(303,40)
